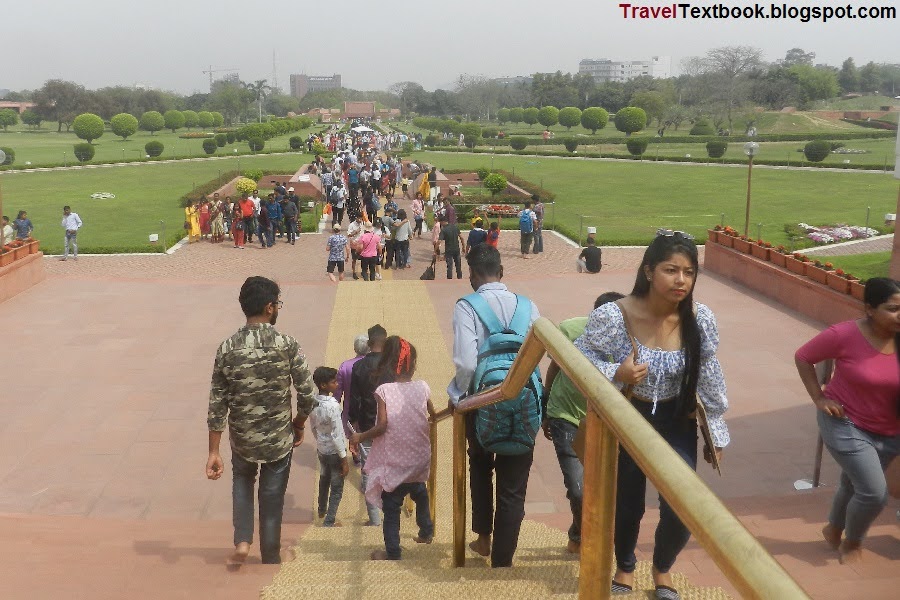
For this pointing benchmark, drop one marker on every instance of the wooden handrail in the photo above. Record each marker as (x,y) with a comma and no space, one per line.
(611,420)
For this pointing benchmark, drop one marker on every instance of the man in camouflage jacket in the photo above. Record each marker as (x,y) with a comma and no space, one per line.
(251,391)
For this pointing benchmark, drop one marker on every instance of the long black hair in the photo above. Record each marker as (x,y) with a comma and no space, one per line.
(877,291)
(662,249)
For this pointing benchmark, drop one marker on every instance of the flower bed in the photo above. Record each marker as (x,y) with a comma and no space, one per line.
(499,210)
(836,233)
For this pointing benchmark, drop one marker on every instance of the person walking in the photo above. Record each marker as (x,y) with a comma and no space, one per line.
(250,392)
(290,212)
(527,220)
(338,253)
(857,412)
(71,222)
(331,446)
(453,244)
(538,225)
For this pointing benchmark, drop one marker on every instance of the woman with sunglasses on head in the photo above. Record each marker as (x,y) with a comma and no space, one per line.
(675,364)
(858,410)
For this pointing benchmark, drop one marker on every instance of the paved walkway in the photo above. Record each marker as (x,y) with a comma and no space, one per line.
(103,438)
(882,243)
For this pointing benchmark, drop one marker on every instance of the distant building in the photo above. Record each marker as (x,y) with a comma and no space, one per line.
(605,69)
(358,110)
(19,107)
(228,79)
(302,85)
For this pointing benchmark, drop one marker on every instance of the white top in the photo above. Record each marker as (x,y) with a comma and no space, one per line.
(325,421)
(71,222)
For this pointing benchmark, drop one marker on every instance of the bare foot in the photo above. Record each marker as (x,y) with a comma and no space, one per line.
(239,555)
(832,536)
(331,277)
(851,553)
(421,540)
(482,545)
(573,547)
(379,555)
(287,555)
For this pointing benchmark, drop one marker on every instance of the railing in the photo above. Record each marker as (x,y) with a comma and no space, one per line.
(611,421)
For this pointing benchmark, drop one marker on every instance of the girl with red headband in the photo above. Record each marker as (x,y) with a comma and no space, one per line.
(399,461)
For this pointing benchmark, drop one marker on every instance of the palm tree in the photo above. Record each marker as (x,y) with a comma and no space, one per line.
(259,89)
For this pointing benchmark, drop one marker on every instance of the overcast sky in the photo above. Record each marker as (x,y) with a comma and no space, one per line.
(167,44)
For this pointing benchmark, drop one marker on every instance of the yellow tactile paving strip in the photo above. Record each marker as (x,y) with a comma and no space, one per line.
(333,562)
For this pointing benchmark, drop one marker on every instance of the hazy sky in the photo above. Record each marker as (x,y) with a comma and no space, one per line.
(166,44)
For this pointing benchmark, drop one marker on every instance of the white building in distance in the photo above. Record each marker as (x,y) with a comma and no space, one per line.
(606,69)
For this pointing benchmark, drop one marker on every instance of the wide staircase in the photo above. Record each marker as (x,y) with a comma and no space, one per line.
(334,562)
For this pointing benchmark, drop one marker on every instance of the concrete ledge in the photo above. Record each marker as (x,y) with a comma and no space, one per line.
(21,275)
(801,294)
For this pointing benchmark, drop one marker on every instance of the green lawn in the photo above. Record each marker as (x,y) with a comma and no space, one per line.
(627,201)
(864,266)
(145,195)
(46,146)
(862,103)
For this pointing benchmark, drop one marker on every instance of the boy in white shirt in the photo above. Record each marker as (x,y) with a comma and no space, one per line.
(331,445)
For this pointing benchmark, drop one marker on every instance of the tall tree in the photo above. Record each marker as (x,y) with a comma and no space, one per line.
(869,77)
(259,89)
(60,101)
(730,66)
(849,76)
(797,56)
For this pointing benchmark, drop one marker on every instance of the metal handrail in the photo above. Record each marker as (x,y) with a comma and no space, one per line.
(611,420)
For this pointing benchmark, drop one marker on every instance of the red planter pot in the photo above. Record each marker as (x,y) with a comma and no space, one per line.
(20,252)
(816,274)
(857,289)
(838,283)
(725,240)
(34,247)
(795,266)
(742,245)
(776,258)
(6,259)
(759,251)
(713,235)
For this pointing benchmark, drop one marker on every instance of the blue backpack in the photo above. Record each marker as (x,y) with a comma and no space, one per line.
(526,224)
(509,427)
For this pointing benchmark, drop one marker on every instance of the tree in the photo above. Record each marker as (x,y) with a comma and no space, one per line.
(548,116)
(232,99)
(205,119)
(124,125)
(32,119)
(869,77)
(796,56)
(814,84)
(530,116)
(191,119)
(631,119)
(152,121)
(496,183)
(849,76)
(471,134)
(503,115)
(60,101)
(729,67)
(516,114)
(569,117)
(88,127)
(653,103)
(258,90)
(594,118)
(218,119)
(8,117)
(173,119)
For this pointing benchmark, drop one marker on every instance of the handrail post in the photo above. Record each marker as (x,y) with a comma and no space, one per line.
(601,455)
(432,476)
(459,489)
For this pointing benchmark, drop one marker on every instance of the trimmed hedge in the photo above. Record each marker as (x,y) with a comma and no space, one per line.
(154,148)
(84,152)
(716,148)
(637,146)
(210,146)
(10,155)
(817,150)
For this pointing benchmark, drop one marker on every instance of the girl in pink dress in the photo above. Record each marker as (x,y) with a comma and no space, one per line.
(399,461)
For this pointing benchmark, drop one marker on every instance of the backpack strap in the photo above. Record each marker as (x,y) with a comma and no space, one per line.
(484,312)
(521,319)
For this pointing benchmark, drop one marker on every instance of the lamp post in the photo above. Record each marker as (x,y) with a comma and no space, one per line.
(751,149)
(492,159)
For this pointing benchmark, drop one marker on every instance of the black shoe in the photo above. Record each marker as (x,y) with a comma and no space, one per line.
(355,276)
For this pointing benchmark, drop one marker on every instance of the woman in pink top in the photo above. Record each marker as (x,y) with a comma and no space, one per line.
(400,459)
(858,410)
(367,246)
(418,210)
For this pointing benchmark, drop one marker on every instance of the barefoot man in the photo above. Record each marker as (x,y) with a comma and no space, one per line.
(251,391)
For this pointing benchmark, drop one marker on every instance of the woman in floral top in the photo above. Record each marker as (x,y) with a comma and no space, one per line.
(676,363)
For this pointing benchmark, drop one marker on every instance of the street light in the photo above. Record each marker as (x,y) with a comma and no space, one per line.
(492,159)
(751,149)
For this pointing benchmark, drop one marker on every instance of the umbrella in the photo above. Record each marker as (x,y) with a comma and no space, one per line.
(362,129)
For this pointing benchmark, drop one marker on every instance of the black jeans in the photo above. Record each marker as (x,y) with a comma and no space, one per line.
(401,251)
(453,258)
(368,267)
(273,480)
(512,473)
(671,534)
(389,254)
(392,502)
(290,224)
(331,486)
(337,215)
(563,433)
(249,228)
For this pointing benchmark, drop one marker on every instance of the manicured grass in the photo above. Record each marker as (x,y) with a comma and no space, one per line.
(864,266)
(46,146)
(863,103)
(628,201)
(145,195)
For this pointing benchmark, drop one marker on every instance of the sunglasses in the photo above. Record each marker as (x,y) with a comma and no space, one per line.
(672,233)
(279,304)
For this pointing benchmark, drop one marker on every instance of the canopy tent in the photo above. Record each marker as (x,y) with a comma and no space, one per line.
(362,129)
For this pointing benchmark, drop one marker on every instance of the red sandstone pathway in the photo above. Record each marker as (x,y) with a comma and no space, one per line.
(103,439)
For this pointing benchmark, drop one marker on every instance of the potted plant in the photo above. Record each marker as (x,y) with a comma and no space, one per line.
(742,244)
(777,256)
(838,281)
(19,249)
(817,272)
(6,256)
(714,233)
(726,237)
(796,263)
(760,249)
(32,244)
(857,288)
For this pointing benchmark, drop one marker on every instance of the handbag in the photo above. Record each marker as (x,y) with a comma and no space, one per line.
(428,275)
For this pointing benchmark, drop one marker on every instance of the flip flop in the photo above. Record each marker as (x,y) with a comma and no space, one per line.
(621,588)
(664,592)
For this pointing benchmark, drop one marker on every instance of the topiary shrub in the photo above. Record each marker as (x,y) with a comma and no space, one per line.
(296,142)
(124,125)
(256,144)
(594,118)
(209,146)
(230,137)
(432,139)
(245,186)
(503,115)
(218,119)
(569,117)
(716,148)
(702,127)
(319,148)
(10,155)
(205,119)
(490,132)
(88,127)
(471,134)
(482,172)
(631,119)
(152,121)
(496,183)
(221,140)
(637,146)
(254,174)
(174,119)
(817,150)
(191,119)
(153,148)
(571,144)
(516,114)
(518,142)
(84,152)
(530,115)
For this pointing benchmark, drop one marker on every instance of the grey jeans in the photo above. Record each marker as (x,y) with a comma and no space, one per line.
(374,512)
(563,433)
(73,239)
(331,486)
(862,456)
(273,480)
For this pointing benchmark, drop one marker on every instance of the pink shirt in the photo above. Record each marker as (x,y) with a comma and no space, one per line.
(369,241)
(865,382)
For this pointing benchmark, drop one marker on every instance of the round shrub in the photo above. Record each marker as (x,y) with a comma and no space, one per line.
(10,155)
(153,148)
(254,174)
(230,137)
(548,116)
(174,119)
(124,125)
(716,148)
(569,117)
(516,115)
(191,119)
(495,182)
(209,146)
(482,173)
(518,142)
(319,148)
(205,119)
(88,127)
(631,119)
(218,119)
(490,132)
(702,127)
(296,142)
(571,144)
(594,118)
(245,186)
(84,152)
(432,139)
(637,146)
(256,143)
(221,140)
(503,115)
(152,121)
(530,116)
(471,134)
(817,150)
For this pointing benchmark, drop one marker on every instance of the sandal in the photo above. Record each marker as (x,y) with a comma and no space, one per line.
(664,592)
(621,588)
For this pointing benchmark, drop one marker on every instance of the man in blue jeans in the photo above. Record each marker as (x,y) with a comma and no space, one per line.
(250,391)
